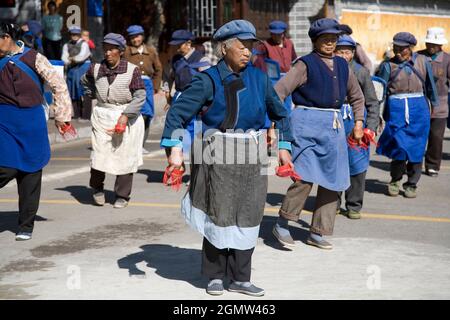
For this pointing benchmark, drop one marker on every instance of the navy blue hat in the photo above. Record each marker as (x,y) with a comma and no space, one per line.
(323,26)
(241,29)
(74,30)
(115,39)
(404,39)
(134,30)
(181,36)
(346,40)
(277,27)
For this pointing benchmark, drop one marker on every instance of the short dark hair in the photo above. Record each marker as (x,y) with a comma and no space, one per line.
(346,29)
(13,30)
(51,3)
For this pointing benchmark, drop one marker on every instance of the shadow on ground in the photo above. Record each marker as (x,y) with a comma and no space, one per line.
(169,262)
(83,194)
(297,233)
(9,221)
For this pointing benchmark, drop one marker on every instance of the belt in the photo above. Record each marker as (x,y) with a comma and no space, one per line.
(336,123)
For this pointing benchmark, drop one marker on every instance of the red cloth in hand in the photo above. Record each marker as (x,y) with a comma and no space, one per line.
(287,171)
(174,179)
(69,132)
(120,128)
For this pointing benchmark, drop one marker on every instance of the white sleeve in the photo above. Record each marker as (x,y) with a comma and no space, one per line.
(65,54)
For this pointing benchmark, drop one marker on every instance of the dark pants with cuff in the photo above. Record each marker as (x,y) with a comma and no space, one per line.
(412,169)
(324,211)
(220,263)
(122,187)
(29,188)
(433,156)
(354,195)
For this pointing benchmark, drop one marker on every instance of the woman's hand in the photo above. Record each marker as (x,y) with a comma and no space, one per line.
(284,157)
(120,125)
(358,131)
(60,126)
(175,159)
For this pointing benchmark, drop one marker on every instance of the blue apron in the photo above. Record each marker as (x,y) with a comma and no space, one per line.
(319,150)
(74,75)
(407,125)
(358,158)
(148,108)
(24,143)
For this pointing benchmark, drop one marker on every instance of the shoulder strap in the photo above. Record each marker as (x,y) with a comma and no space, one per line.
(26,69)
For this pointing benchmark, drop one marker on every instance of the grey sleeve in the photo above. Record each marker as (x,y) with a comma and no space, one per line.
(370,97)
(134,108)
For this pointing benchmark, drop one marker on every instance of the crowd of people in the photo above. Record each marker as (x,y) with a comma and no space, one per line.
(322,111)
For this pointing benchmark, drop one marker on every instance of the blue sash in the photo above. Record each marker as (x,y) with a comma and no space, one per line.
(148,108)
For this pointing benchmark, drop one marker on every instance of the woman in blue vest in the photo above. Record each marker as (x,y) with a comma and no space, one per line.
(24,144)
(407,113)
(319,83)
(185,64)
(358,157)
(227,194)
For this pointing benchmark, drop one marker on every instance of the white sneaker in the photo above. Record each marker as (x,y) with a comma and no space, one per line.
(23,236)
(99,197)
(120,203)
(145,151)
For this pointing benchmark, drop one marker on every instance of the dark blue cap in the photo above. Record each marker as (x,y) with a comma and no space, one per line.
(115,39)
(74,30)
(323,26)
(181,36)
(134,30)
(241,29)
(34,26)
(404,39)
(346,40)
(277,27)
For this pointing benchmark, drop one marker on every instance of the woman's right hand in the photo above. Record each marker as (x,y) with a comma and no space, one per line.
(175,159)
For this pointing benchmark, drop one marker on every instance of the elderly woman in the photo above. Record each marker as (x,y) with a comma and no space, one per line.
(117,125)
(225,202)
(319,83)
(24,145)
(409,80)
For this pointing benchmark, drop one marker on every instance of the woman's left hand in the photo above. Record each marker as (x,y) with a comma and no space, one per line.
(121,122)
(284,157)
(358,131)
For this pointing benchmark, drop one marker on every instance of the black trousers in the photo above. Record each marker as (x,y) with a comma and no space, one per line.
(29,188)
(122,186)
(52,49)
(147,121)
(412,169)
(354,195)
(221,263)
(433,156)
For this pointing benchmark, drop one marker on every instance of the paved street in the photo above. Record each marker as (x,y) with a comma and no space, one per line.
(400,249)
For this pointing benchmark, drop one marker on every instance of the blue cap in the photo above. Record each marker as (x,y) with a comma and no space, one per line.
(115,39)
(277,27)
(241,29)
(346,40)
(34,26)
(134,30)
(404,39)
(323,26)
(74,30)
(181,36)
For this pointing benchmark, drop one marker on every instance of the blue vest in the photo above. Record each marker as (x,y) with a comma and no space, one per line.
(251,106)
(185,68)
(324,88)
